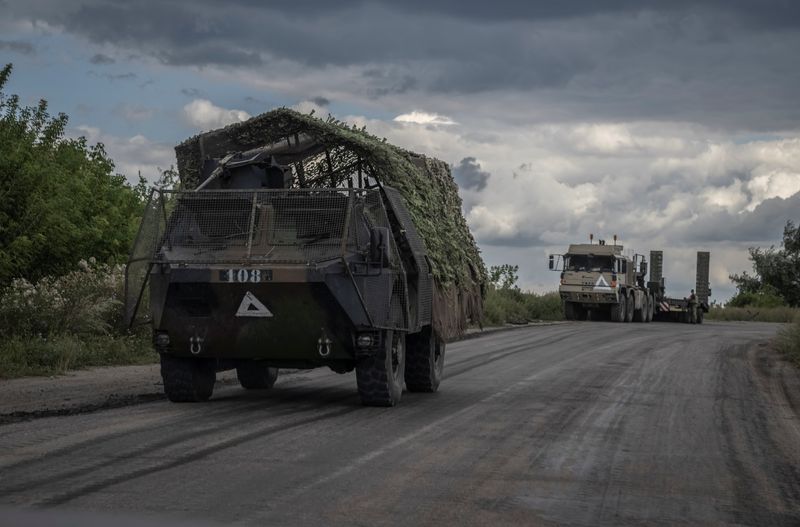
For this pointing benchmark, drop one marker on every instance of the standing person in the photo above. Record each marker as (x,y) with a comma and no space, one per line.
(693,307)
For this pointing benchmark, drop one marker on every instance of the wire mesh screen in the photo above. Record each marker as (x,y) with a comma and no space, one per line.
(145,246)
(264,226)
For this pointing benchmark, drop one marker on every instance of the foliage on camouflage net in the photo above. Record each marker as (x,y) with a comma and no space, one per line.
(425,183)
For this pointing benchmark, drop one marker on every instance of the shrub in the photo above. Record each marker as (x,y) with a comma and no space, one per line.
(757,299)
(85,301)
(789,342)
(512,306)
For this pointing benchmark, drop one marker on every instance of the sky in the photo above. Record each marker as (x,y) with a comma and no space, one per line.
(674,125)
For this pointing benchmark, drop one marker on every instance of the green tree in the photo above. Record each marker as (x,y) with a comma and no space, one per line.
(776,275)
(504,276)
(60,198)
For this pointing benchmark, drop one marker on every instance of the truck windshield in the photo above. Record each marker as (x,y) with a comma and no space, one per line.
(586,262)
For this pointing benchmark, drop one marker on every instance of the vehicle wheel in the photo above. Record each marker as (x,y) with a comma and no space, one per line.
(629,312)
(699,315)
(255,375)
(619,310)
(570,311)
(187,380)
(380,376)
(648,309)
(651,306)
(424,361)
(639,315)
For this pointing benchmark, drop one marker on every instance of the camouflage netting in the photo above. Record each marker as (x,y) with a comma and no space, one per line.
(326,153)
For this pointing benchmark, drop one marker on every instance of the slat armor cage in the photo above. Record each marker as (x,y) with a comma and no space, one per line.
(267,227)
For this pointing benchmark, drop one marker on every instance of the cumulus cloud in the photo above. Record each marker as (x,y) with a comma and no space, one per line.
(133,156)
(204,114)
(671,186)
(417,117)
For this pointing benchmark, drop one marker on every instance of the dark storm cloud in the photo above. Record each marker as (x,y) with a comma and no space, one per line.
(320,101)
(768,218)
(17,46)
(721,63)
(101,58)
(468,174)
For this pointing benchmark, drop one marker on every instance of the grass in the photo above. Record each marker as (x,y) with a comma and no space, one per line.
(756,314)
(26,356)
(512,306)
(789,342)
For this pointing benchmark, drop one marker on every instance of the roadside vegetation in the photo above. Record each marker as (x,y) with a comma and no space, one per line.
(67,322)
(506,303)
(67,221)
(754,313)
(772,292)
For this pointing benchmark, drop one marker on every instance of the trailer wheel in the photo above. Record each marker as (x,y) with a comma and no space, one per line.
(619,310)
(629,312)
(380,376)
(187,380)
(255,375)
(424,361)
(648,313)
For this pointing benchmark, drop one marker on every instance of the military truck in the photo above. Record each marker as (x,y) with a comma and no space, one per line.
(300,243)
(599,281)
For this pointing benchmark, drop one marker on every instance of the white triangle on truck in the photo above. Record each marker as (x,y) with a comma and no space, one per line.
(252,307)
(601,284)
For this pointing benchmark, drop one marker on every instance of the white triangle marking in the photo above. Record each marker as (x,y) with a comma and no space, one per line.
(601,284)
(252,307)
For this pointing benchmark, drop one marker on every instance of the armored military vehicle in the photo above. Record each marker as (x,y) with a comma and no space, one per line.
(599,281)
(299,243)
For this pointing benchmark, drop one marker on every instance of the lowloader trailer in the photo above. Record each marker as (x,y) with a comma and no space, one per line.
(600,282)
(685,309)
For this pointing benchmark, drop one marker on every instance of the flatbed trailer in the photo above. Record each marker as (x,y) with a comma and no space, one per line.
(668,309)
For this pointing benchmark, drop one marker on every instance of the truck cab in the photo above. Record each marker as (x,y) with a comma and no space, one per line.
(599,281)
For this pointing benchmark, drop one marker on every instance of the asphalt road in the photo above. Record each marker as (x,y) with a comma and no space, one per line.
(582,424)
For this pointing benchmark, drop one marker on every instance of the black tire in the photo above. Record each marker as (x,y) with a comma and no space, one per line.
(619,310)
(700,314)
(380,376)
(255,375)
(630,309)
(187,380)
(639,315)
(569,311)
(651,306)
(424,361)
